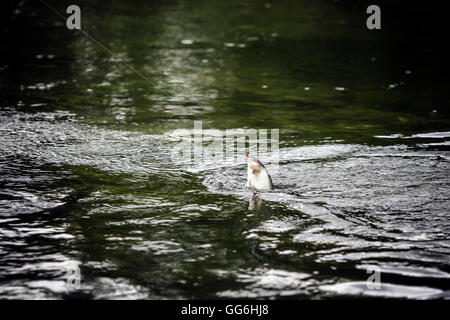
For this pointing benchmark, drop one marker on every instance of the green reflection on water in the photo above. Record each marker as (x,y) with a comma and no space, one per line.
(312,69)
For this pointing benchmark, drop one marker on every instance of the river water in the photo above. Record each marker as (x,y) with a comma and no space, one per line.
(88,179)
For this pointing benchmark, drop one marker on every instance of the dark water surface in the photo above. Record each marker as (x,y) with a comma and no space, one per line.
(86,176)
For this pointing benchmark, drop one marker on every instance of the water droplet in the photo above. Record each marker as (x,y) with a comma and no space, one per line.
(392,86)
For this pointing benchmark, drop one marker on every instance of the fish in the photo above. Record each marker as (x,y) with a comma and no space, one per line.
(258,178)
